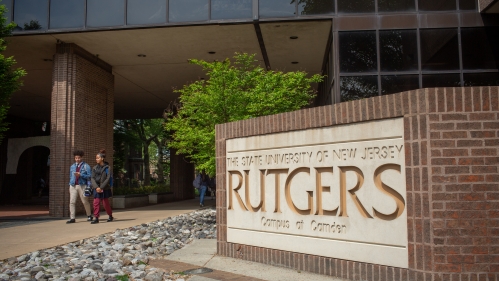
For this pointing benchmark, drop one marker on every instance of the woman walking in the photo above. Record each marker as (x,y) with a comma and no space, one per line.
(101,175)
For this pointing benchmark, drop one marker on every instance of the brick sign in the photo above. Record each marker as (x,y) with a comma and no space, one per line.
(336,192)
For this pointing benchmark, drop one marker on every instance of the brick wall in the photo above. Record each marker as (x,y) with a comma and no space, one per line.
(81,118)
(452,156)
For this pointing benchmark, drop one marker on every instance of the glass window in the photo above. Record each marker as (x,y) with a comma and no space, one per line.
(105,13)
(480,47)
(467,4)
(481,79)
(231,9)
(31,14)
(67,13)
(436,5)
(391,84)
(356,6)
(316,7)
(439,49)
(358,51)
(398,50)
(396,5)
(358,87)
(8,7)
(276,8)
(188,10)
(441,80)
(145,11)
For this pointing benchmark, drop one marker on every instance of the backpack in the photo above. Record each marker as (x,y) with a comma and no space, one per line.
(197,181)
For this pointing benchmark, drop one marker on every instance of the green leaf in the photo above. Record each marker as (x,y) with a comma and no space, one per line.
(235,90)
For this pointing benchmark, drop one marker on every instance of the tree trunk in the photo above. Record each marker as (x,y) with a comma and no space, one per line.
(160,172)
(147,169)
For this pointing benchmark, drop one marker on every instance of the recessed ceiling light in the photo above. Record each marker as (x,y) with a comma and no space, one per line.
(47,59)
(293,37)
(141,55)
(294,62)
(212,53)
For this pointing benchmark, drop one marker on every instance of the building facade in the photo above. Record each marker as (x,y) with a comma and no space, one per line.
(90,62)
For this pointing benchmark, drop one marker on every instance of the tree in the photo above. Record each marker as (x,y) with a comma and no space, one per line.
(234,91)
(9,77)
(148,131)
(161,144)
(124,139)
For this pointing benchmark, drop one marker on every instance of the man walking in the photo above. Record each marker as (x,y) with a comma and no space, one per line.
(79,174)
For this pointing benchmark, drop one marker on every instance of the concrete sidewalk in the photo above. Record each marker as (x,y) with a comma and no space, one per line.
(202,254)
(19,239)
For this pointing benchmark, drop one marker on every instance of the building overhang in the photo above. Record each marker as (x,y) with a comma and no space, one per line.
(149,64)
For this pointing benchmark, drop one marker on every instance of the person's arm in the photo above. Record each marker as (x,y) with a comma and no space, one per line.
(94,183)
(87,172)
(104,183)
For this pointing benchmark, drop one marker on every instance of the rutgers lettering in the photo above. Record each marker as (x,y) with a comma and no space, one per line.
(315,208)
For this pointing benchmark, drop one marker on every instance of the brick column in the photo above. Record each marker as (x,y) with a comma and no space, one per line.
(81,117)
(181,176)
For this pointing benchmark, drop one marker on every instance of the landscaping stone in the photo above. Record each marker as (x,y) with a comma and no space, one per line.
(109,256)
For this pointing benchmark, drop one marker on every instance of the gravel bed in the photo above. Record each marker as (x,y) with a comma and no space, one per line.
(122,255)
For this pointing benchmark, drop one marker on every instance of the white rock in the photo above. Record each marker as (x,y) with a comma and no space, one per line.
(39,275)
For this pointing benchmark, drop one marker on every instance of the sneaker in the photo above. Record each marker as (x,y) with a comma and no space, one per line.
(110,219)
(90,218)
(95,221)
(71,221)
(201,205)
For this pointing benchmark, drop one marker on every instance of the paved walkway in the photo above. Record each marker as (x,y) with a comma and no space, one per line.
(202,254)
(12,212)
(20,238)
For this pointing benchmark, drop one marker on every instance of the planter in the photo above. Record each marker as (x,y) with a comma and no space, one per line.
(130,201)
(157,198)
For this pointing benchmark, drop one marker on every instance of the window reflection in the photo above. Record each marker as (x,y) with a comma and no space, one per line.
(315,7)
(481,79)
(358,87)
(480,48)
(441,80)
(439,49)
(105,13)
(67,13)
(276,8)
(31,14)
(231,9)
(358,51)
(356,6)
(146,11)
(398,50)
(188,10)
(436,5)
(391,84)
(396,5)
(8,8)
(467,4)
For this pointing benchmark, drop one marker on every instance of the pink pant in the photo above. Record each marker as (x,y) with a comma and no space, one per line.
(107,206)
